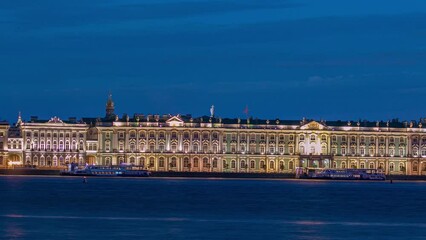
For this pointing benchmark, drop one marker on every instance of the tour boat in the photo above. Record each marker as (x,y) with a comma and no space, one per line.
(343,174)
(108,171)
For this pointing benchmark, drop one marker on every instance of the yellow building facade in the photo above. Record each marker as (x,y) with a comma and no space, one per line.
(212,144)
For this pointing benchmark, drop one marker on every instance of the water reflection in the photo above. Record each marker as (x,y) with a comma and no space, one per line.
(48,208)
(13,231)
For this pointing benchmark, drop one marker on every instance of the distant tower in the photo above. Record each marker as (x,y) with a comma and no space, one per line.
(19,121)
(110,107)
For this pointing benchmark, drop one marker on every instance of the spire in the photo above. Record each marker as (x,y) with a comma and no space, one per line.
(109,106)
(19,121)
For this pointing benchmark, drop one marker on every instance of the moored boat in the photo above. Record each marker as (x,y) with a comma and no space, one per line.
(110,171)
(341,174)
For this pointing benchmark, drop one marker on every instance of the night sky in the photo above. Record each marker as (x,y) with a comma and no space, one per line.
(328,59)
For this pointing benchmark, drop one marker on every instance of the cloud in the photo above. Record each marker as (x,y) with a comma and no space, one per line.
(63,14)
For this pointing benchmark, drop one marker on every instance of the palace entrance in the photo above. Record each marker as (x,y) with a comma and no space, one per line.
(91,160)
(315,161)
(14,160)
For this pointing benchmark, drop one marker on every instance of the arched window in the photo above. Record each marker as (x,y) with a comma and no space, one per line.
(186,135)
(282,166)
(343,164)
(173,162)
(323,149)
(186,147)
(205,147)
(291,165)
(362,165)
(132,146)
(28,160)
(381,151)
(243,164)
(142,161)
(371,165)
(142,147)
(206,163)
(252,164)
(415,167)
(215,148)
(161,147)
(186,162)
(67,145)
(161,162)
(151,147)
(61,145)
(391,166)
(301,149)
(271,164)
(195,160)
(174,147)
(402,167)
(214,162)
(151,162)
(233,164)
(132,160)
(415,152)
(225,165)
(343,150)
(195,147)
(262,164)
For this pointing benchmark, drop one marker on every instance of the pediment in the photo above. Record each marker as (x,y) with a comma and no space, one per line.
(175,121)
(313,125)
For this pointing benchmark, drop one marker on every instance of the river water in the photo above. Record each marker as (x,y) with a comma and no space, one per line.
(166,208)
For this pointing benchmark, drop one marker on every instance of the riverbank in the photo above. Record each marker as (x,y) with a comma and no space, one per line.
(54,172)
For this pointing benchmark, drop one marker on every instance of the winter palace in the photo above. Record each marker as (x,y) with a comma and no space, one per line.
(209,143)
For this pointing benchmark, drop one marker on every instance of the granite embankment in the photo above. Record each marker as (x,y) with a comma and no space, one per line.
(23,171)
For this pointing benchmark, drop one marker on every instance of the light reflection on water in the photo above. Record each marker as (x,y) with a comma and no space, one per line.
(53,207)
(174,219)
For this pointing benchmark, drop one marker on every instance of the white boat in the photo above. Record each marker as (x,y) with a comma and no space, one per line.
(110,171)
(344,174)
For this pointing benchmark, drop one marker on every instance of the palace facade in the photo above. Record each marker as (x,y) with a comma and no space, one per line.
(208,143)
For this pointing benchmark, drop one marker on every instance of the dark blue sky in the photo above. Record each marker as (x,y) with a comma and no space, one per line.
(328,59)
